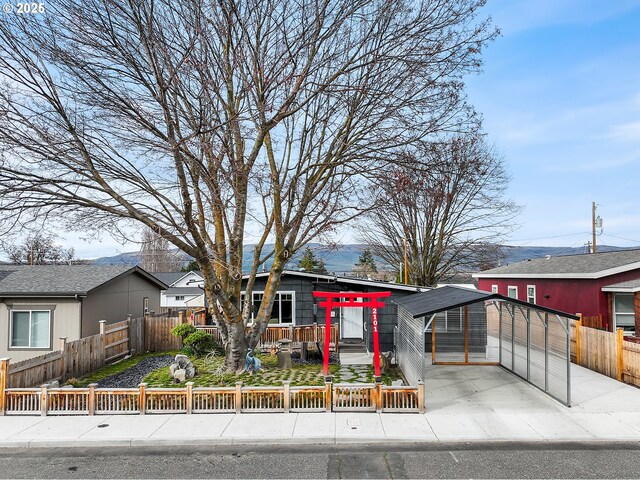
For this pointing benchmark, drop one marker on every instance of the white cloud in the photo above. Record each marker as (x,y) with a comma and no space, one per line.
(626,132)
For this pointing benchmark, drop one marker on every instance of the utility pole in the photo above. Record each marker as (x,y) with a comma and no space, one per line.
(596,222)
(593,224)
(406,271)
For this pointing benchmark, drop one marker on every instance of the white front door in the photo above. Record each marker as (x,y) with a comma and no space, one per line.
(351,322)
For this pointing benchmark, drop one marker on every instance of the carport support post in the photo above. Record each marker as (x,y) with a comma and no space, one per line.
(513,337)
(499,306)
(546,352)
(528,318)
(466,334)
(568,335)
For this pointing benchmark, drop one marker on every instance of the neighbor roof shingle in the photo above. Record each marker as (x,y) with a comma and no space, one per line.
(586,264)
(57,279)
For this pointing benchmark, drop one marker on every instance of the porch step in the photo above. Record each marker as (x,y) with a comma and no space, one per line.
(352,347)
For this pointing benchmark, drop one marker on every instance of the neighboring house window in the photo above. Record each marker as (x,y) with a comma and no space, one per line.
(179,297)
(30,329)
(531,293)
(284,307)
(512,292)
(494,288)
(448,321)
(623,311)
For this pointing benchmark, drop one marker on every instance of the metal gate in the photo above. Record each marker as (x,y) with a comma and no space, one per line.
(409,342)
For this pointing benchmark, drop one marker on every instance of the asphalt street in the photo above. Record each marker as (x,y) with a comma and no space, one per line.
(487,460)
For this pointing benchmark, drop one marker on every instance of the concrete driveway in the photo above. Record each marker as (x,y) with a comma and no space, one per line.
(488,402)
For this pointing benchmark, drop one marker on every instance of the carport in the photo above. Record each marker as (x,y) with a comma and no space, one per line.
(459,326)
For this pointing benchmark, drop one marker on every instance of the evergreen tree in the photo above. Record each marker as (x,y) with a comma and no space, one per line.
(311,263)
(366,263)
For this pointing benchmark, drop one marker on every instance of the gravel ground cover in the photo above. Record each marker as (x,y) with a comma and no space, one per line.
(133,376)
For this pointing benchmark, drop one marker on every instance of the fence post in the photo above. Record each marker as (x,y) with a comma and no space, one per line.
(578,325)
(102,323)
(130,334)
(238,397)
(43,399)
(421,396)
(287,396)
(92,398)
(315,332)
(378,396)
(4,371)
(189,397)
(619,363)
(142,399)
(328,401)
(63,343)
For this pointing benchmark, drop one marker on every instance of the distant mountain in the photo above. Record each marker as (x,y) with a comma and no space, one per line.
(343,258)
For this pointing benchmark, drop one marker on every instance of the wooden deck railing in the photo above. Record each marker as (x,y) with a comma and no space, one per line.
(298,334)
(238,399)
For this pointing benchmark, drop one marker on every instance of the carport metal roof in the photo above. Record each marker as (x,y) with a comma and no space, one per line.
(450,297)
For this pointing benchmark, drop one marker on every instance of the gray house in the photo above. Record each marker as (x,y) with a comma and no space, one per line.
(41,303)
(296,305)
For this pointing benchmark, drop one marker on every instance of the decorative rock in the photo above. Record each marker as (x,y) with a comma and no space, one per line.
(182,369)
(180,375)
(396,383)
(54,384)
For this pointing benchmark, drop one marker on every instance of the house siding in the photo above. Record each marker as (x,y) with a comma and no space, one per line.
(573,296)
(116,299)
(305,301)
(65,323)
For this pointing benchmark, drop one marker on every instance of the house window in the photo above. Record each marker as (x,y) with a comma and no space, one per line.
(145,305)
(623,312)
(283,311)
(448,321)
(531,293)
(30,329)
(512,292)
(494,288)
(179,297)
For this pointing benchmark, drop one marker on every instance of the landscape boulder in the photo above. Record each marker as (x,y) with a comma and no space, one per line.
(182,369)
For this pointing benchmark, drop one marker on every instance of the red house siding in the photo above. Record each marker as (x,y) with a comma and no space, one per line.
(567,295)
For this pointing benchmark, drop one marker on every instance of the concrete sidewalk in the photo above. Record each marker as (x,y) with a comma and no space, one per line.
(464,404)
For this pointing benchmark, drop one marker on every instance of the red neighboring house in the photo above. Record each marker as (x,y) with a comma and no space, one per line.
(606,284)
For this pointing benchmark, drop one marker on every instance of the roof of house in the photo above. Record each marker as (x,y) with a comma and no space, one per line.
(62,280)
(172,277)
(586,266)
(630,286)
(184,291)
(347,280)
(450,297)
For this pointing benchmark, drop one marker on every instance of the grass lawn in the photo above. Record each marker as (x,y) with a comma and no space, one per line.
(211,374)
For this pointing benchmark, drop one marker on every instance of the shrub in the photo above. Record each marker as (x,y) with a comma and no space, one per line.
(201,342)
(183,330)
(74,382)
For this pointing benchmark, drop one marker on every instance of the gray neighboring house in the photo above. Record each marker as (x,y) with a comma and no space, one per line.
(296,305)
(41,303)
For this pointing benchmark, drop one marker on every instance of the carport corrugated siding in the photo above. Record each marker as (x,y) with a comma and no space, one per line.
(410,346)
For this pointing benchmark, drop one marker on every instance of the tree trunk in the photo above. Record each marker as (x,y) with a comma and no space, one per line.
(236,348)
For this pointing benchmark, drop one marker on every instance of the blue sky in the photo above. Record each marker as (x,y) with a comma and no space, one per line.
(560,97)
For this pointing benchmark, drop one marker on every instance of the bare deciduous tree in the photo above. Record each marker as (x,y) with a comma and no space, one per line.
(155,254)
(39,249)
(453,213)
(203,119)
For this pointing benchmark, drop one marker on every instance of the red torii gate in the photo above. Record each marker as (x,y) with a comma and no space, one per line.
(350,301)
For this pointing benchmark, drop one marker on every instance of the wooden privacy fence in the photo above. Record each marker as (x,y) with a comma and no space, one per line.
(297,334)
(79,357)
(605,352)
(238,399)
